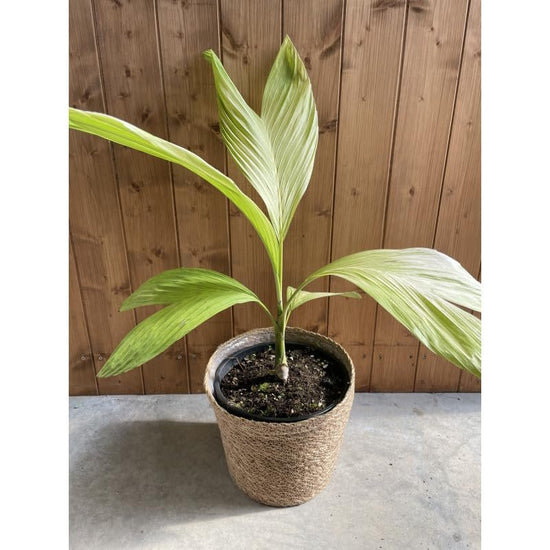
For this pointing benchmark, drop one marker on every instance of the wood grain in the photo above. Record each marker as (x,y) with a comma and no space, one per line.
(371,61)
(126,35)
(307,246)
(459,224)
(94,211)
(469,383)
(82,379)
(187,29)
(251,37)
(431,63)
(398,165)
(398,364)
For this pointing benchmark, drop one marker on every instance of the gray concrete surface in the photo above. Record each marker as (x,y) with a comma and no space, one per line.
(148,472)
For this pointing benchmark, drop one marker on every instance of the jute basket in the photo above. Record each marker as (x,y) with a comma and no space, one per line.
(276,463)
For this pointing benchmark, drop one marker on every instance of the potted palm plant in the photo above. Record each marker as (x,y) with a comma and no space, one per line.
(282,426)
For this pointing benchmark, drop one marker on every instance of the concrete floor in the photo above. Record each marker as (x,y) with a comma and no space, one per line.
(148,472)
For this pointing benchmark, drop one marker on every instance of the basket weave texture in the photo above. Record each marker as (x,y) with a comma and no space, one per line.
(281,463)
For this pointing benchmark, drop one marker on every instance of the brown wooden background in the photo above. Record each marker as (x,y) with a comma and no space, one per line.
(397,85)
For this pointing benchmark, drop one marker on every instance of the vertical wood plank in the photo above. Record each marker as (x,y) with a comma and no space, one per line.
(433,47)
(122,233)
(307,246)
(459,223)
(469,383)
(390,360)
(186,30)
(81,364)
(370,71)
(95,223)
(126,35)
(251,37)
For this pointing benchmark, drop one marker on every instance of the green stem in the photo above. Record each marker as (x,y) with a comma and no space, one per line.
(281,363)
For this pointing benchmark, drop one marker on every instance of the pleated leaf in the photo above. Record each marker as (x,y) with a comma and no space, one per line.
(290,116)
(193,295)
(304,296)
(420,288)
(123,133)
(179,284)
(275,151)
(246,138)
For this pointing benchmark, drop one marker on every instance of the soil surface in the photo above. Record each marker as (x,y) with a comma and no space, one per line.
(314,383)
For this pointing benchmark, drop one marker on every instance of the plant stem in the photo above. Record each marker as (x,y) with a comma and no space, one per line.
(281,363)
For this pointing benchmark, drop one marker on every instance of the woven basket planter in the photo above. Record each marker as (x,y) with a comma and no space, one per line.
(281,463)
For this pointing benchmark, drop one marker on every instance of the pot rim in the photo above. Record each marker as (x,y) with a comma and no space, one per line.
(215,362)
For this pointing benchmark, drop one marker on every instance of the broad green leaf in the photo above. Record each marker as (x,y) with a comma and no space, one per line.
(194,296)
(179,284)
(290,116)
(275,151)
(304,296)
(420,288)
(246,138)
(123,133)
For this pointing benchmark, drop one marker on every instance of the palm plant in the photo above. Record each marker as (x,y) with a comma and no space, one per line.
(420,287)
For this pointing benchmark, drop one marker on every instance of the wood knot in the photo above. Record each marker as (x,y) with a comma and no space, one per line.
(215,127)
(332,48)
(380,5)
(180,117)
(136,186)
(419,6)
(328,126)
(145,114)
(85,96)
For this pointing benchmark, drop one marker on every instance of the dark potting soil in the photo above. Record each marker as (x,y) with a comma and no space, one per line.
(314,383)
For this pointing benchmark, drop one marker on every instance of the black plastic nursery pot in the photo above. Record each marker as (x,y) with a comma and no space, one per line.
(279,462)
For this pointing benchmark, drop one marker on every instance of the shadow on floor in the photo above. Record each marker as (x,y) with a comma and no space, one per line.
(150,474)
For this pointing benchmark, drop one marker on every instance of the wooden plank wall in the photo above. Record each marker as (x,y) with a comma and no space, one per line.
(397,85)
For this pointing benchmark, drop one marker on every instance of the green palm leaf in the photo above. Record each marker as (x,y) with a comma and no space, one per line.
(246,138)
(194,296)
(175,285)
(420,288)
(301,297)
(275,151)
(290,116)
(124,133)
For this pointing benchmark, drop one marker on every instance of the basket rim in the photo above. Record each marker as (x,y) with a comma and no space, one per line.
(221,351)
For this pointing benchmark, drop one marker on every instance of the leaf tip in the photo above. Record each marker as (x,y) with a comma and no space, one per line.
(102,373)
(209,55)
(287,41)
